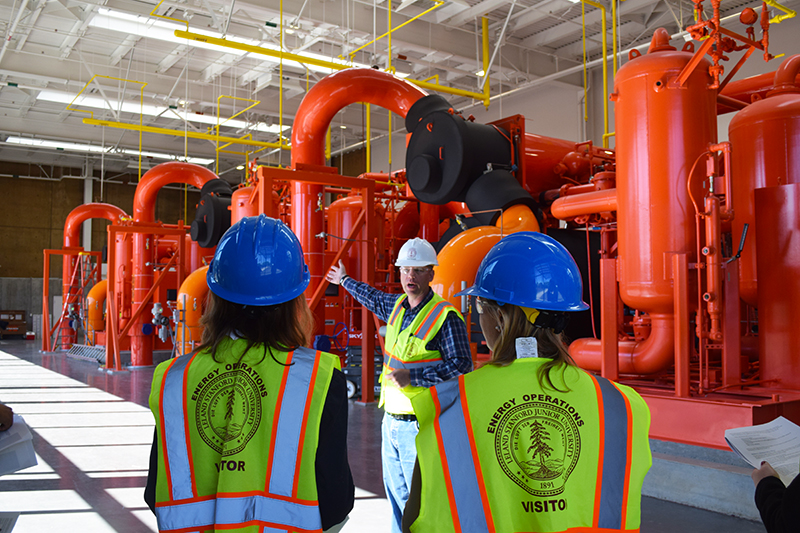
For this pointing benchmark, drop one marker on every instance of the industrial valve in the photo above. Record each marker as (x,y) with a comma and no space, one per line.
(161,322)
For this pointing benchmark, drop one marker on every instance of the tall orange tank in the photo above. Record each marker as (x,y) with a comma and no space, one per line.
(765,152)
(661,130)
(342,214)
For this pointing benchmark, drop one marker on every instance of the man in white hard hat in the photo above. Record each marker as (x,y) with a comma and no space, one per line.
(426,344)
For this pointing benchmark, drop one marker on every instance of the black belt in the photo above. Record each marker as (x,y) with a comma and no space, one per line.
(407,418)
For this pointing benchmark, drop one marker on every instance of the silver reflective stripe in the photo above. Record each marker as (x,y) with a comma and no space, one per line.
(173,407)
(615,455)
(237,510)
(290,422)
(459,458)
(395,364)
(423,330)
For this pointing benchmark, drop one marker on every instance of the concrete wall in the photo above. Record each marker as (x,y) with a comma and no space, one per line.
(35,210)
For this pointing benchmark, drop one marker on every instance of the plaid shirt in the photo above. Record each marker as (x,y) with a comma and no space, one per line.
(451,340)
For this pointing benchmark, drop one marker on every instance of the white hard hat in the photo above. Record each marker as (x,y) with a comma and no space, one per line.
(416,252)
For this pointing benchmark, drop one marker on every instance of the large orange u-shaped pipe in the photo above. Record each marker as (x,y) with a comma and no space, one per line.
(318,108)
(144,211)
(72,228)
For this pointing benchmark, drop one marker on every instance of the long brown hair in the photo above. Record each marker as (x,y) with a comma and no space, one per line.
(514,324)
(282,327)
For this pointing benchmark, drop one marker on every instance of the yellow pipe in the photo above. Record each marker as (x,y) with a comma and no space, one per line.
(436,76)
(179,133)
(789,13)
(141,104)
(614,35)
(605,67)
(260,50)
(485,39)
(219,108)
(439,3)
(312,61)
(607,136)
(585,73)
(389,45)
(179,21)
(448,90)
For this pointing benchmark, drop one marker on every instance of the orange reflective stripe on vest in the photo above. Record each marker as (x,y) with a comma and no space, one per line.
(277,505)
(430,320)
(421,332)
(469,504)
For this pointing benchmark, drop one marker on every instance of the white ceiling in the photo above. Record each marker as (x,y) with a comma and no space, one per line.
(52,48)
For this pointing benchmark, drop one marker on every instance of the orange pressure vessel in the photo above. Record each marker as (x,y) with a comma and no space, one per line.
(765,152)
(661,130)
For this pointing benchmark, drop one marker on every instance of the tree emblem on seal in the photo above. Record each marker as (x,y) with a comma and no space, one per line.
(228,412)
(537,444)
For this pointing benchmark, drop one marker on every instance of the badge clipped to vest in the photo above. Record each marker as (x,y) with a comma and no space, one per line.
(527,347)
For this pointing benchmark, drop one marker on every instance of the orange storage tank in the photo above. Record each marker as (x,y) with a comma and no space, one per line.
(661,130)
(765,152)
(342,214)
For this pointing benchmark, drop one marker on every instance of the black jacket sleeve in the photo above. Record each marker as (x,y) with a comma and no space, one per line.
(779,506)
(335,488)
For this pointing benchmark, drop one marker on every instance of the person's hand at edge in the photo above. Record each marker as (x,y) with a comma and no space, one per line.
(337,273)
(766,470)
(6,417)
(400,377)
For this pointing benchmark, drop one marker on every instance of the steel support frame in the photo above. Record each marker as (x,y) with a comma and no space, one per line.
(67,251)
(114,335)
(327,176)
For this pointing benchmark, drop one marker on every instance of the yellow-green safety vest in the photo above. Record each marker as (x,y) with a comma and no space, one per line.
(407,349)
(499,453)
(237,439)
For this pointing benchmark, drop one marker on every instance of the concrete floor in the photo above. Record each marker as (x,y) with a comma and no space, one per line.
(92,433)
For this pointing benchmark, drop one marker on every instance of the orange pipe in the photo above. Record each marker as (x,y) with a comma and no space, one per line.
(191,302)
(316,111)
(645,357)
(713,255)
(95,306)
(72,228)
(744,90)
(575,205)
(144,209)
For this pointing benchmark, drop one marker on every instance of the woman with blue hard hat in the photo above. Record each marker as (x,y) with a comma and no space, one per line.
(528,442)
(251,428)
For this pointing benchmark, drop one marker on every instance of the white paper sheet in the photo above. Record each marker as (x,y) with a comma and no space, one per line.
(16,447)
(18,432)
(777,442)
(7,521)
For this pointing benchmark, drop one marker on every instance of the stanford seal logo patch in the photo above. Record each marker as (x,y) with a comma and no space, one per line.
(537,444)
(228,410)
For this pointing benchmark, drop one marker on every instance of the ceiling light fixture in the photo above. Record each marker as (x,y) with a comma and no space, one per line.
(112,20)
(151,110)
(93,148)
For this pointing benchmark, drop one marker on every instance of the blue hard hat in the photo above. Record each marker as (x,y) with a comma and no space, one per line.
(258,261)
(530,269)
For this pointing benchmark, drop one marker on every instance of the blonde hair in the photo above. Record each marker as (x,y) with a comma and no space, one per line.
(514,324)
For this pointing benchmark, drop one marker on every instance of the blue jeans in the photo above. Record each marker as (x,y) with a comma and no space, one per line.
(398,454)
